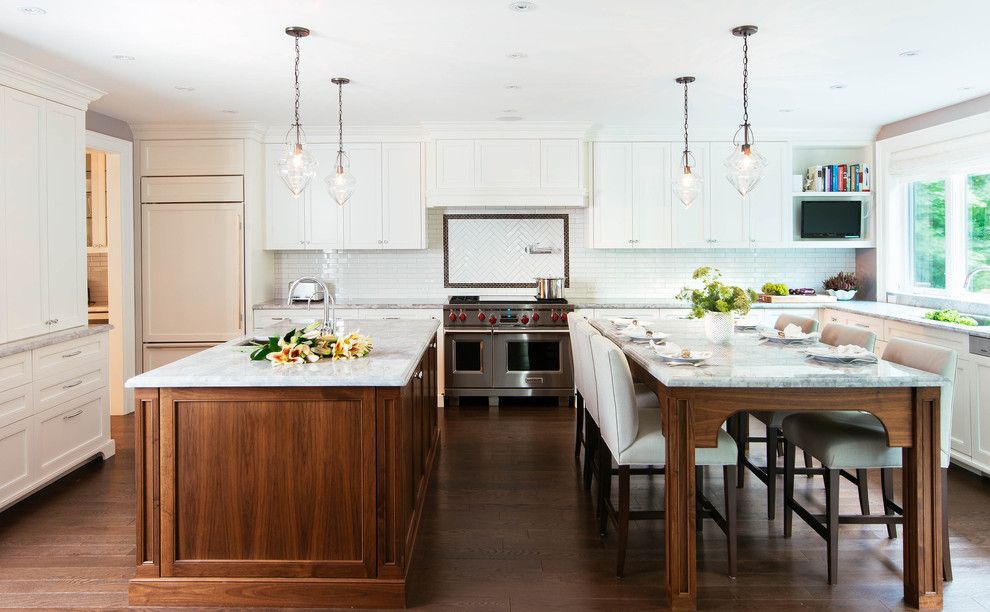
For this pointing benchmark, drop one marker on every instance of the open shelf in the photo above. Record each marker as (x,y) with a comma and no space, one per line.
(833,194)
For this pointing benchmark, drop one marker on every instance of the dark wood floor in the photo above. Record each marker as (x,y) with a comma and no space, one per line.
(508,526)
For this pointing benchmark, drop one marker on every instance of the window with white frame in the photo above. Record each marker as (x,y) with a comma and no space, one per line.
(948,243)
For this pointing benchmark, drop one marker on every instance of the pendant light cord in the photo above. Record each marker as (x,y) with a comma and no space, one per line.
(340,123)
(686,151)
(298,128)
(745,125)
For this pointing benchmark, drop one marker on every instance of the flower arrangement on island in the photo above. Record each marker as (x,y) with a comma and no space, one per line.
(308,344)
(714,295)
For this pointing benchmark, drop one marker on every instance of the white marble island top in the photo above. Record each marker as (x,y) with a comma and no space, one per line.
(749,362)
(399,346)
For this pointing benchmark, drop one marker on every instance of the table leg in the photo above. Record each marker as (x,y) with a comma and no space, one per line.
(679,523)
(923,505)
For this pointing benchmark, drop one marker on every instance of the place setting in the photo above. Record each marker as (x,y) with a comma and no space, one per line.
(674,355)
(846,354)
(638,330)
(790,335)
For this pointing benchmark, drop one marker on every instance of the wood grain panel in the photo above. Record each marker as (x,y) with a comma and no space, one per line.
(923,505)
(147,484)
(272,593)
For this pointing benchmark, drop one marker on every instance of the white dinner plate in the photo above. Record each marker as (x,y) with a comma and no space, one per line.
(696,356)
(747,323)
(625,321)
(774,336)
(645,335)
(830,355)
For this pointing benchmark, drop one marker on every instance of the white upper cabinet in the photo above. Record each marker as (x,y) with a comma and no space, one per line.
(506,172)
(192,157)
(65,193)
(42,208)
(769,204)
(363,211)
(630,208)
(385,212)
(404,218)
(728,212)
(690,226)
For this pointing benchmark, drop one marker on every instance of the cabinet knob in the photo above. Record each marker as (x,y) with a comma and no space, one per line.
(419,374)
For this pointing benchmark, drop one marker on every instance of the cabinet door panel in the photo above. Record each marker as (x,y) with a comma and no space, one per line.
(284,214)
(323,217)
(728,214)
(980,413)
(766,203)
(26,279)
(689,226)
(16,465)
(363,211)
(962,401)
(650,201)
(455,164)
(507,163)
(611,210)
(65,155)
(66,430)
(402,201)
(561,164)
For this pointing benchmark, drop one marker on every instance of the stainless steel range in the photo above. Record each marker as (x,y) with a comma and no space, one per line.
(507,346)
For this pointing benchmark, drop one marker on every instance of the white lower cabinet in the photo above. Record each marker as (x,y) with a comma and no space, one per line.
(57,419)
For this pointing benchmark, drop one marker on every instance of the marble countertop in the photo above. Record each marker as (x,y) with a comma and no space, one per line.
(748,362)
(575,302)
(27,344)
(906,314)
(399,346)
(317,305)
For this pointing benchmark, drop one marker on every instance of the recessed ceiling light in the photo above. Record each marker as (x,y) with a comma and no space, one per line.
(966,88)
(229,111)
(786,110)
(837,86)
(508,118)
(32,10)
(517,55)
(124,58)
(510,111)
(522,7)
(185,88)
(909,53)
(512,86)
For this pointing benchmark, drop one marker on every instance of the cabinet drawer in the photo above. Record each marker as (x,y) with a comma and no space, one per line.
(957,341)
(57,390)
(16,404)
(78,354)
(165,190)
(16,442)
(283,319)
(400,313)
(192,157)
(67,429)
(15,370)
(874,325)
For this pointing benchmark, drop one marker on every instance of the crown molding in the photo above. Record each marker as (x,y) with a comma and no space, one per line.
(502,129)
(198,130)
(796,136)
(30,78)
(318,134)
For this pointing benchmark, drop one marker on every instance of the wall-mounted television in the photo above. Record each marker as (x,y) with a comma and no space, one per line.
(831,219)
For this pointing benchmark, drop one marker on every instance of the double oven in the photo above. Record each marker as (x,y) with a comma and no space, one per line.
(515,349)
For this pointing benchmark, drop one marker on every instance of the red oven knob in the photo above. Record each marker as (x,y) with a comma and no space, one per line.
(452,317)
(536,316)
(481,316)
(462,317)
(563,316)
(525,319)
(554,316)
(492,320)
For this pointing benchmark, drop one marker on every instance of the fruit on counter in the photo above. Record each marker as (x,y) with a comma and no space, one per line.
(774,289)
(947,315)
(801,291)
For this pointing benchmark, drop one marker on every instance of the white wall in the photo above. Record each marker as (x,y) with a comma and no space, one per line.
(595,273)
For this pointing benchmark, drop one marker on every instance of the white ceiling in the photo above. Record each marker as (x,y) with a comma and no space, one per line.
(606,62)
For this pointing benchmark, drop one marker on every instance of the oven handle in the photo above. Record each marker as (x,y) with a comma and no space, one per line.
(532,331)
(487,332)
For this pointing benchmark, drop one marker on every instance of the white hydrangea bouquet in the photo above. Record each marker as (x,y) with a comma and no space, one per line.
(307,345)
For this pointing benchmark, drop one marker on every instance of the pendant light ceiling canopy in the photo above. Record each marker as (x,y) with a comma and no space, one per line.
(744,167)
(341,183)
(687,186)
(296,166)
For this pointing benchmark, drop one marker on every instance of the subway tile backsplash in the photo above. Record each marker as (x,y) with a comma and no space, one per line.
(594,273)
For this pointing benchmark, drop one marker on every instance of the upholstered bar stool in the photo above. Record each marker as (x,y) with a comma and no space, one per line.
(631,437)
(852,440)
(586,404)
(772,420)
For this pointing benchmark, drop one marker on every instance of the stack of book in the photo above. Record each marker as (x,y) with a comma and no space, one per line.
(838,178)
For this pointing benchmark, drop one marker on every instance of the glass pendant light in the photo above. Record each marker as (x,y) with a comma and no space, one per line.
(341,183)
(687,186)
(745,165)
(296,166)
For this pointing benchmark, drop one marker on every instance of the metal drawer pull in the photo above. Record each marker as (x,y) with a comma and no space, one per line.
(864,325)
(419,374)
(75,384)
(73,415)
(72,354)
(391,318)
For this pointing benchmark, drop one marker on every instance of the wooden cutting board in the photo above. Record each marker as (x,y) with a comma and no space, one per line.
(795,299)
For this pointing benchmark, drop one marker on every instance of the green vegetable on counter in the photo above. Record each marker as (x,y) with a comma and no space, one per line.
(774,289)
(948,315)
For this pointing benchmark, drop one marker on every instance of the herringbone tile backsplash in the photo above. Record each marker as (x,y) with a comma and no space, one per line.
(595,273)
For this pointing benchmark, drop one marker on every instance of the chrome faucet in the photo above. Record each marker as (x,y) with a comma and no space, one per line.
(329,304)
(971,275)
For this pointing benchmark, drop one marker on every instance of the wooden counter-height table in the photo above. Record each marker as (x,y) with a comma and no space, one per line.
(750,375)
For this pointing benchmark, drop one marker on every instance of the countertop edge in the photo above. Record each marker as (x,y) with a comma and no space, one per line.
(15,347)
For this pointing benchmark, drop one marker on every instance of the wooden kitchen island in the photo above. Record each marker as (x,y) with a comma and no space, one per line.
(296,486)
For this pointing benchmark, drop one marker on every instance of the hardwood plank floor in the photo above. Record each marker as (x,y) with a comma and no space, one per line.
(507,526)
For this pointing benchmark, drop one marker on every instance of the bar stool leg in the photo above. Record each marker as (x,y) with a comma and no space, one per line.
(790,453)
(578,423)
(863,484)
(832,523)
(773,437)
(887,491)
(729,475)
(622,522)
